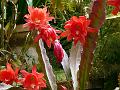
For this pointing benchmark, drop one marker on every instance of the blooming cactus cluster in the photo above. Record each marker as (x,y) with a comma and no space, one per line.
(76,29)
(8,75)
(33,80)
(30,81)
(38,19)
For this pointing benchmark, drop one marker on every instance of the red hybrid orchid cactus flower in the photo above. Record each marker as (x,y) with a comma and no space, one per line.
(76,29)
(116,4)
(48,34)
(37,17)
(34,80)
(8,75)
(58,51)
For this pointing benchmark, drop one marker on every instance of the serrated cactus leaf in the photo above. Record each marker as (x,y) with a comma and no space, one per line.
(66,66)
(74,61)
(4,86)
(48,67)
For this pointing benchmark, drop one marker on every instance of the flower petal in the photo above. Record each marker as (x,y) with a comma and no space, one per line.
(24,73)
(34,70)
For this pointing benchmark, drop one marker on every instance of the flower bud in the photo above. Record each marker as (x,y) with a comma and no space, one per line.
(58,51)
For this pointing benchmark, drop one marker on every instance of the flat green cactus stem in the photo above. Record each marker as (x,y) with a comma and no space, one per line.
(97,17)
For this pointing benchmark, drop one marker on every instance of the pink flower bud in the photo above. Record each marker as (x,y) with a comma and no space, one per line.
(58,51)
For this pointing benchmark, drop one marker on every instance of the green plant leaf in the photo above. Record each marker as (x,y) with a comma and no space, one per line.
(110,16)
(11,25)
(29,2)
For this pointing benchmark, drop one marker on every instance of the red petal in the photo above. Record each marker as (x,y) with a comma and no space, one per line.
(26,16)
(111,2)
(37,38)
(69,37)
(67,26)
(24,73)
(75,41)
(48,43)
(40,75)
(9,68)
(58,31)
(74,18)
(34,70)
(82,19)
(115,11)
(16,71)
(30,9)
(65,33)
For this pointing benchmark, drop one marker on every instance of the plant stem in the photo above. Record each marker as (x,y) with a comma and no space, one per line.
(2,39)
(97,17)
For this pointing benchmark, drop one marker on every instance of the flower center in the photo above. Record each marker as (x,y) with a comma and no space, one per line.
(77,27)
(77,32)
(50,39)
(32,78)
(32,86)
(37,20)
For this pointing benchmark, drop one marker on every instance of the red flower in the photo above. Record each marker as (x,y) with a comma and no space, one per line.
(34,80)
(116,4)
(58,51)
(37,17)
(48,34)
(8,75)
(76,29)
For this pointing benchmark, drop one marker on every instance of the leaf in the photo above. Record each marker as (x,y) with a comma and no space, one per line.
(48,67)
(3,7)
(65,64)
(11,25)
(16,88)
(29,2)
(57,4)
(113,16)
(4,86)
(74,60)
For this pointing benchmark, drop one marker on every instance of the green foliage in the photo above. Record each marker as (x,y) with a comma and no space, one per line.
(22,10)
(107,55)
(108,46)
(111,50)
